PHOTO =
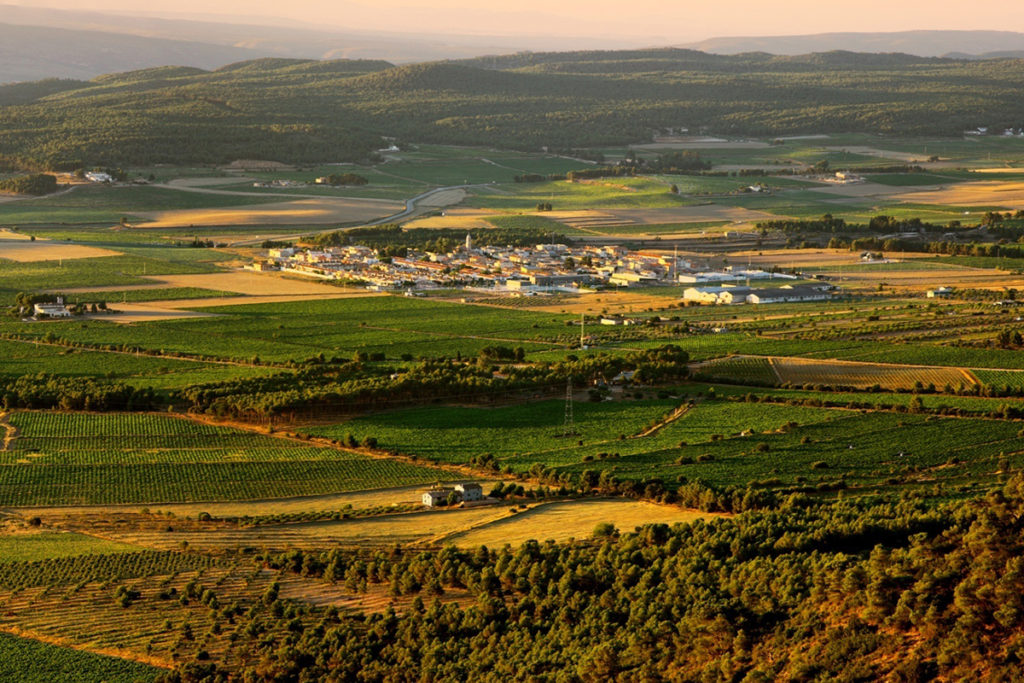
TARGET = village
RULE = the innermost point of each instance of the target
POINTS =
(542, 270)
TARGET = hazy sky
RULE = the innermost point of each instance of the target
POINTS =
(663, 21)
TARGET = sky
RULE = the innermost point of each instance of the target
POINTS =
(646, 21)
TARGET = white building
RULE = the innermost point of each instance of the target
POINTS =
(786, 295)
(470, 491)
(57, 310)
(437, 496)
(98, 177)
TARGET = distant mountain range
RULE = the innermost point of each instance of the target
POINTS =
(37, 43)
(313, 111)
(955, 44)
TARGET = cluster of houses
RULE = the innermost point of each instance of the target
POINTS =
(514, 271)
(467, 492)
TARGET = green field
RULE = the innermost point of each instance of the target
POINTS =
(101, 271)
(300, 330)
(22, 358)
(743, 370)
(623, 193)
(51, 545)
(722, 443)
(118, 565)
(29, 661)
(141, 295)
(101, 204)
(77, 458)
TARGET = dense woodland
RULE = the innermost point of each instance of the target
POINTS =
(852, 591)
(309, 111)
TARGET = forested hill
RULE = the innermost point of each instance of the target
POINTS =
(309, 111)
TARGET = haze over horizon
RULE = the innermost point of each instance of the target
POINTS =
(648, 23)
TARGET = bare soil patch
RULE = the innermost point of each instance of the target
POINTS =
(706, 213)
(798, 258)
(466, 219)
(303, 211)
(6, 234)
(441, 199)
(175, 309)
(250, 283)
(1009, 195)
(573, 519)
(366, 531)
(25, 251)
(612, 302)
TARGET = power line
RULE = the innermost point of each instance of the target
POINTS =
(569, 427)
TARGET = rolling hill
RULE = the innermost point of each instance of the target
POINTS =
(304, 111)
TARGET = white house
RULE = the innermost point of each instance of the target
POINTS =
(470, 491)
(99, 177)
(437, 496)
(939, 293)
(57, 310)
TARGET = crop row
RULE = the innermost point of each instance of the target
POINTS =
(72, 570)
(119, 425)
(84, 484)
(30, 661)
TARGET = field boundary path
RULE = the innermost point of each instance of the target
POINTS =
(164, 356)
(309, 440)
(10, 431)
(438, 539)
(664, 422)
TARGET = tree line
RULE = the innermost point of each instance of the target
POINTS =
(853, 590)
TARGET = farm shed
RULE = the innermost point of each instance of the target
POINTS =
(786, 295)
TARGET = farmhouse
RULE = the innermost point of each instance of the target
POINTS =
(470, 491)
(57, 310)
(939, 293)
(437, 496)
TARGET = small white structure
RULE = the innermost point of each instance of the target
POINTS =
(99, 177)
(939, 293)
